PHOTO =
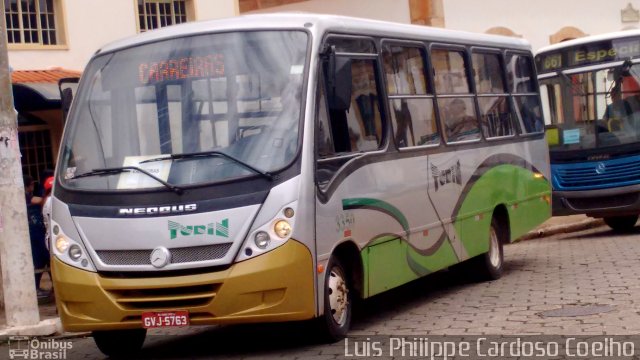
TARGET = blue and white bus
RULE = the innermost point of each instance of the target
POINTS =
(591, 93)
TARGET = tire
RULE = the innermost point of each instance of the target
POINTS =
(334, 324)
(489, 265)
(621, 223)
(120, 343)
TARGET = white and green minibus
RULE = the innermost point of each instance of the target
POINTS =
(277, 167)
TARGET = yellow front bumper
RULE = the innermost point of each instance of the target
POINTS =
(276, 286)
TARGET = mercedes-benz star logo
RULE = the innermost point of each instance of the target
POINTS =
(160, 257)
(600, 168)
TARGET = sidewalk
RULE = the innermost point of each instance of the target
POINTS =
(563, 224)
(50, 323)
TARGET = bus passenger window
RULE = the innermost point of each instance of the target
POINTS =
(456, 103)
(360, 127)
(496, 116)
(342, 132)
(460, 121)
(411, 101)
(520, 74)
(530, 114)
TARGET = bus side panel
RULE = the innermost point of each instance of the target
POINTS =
(378, 203)
(396, 262)
(504, 175)
(534, 206)
(517, 189)
(404, 234)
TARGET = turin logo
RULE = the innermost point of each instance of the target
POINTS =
(220, 229)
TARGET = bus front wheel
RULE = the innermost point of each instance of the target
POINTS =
(335, 322)
(120, 343)
(621, 223)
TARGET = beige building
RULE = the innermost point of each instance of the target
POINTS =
(65, 33)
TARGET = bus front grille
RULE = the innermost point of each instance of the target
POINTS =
(596, 175)
(165, 298)
(178, 255)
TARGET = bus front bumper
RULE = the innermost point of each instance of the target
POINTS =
(276, 286)
(598, 203)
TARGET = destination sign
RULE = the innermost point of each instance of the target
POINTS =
(181, 68)
(589, 54)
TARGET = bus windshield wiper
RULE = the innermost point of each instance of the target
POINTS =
(118, 170)
(210, 153)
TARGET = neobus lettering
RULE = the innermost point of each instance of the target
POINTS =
(158, 210)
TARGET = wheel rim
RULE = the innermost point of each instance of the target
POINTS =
(494, 249)
(338, 296)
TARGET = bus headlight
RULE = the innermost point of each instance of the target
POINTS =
(282, 229)
(62, 244)
(70, 251)
(75, 252)
(262, 239)
(274, 231)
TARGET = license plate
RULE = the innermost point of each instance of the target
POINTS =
(165, 319)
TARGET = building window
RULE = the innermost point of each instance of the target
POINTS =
(154, 14)
(36, 150)
(31, 22)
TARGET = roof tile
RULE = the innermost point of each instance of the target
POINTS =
(42, 76)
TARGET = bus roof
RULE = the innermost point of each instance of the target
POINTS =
(319, 24)
(589, 39)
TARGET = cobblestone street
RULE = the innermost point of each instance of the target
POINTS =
(583, 283)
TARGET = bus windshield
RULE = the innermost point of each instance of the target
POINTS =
(234, 97)
(593, 109)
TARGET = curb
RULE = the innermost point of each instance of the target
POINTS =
(71, 335)
(49, 328)
(563, 228)
(46, 327)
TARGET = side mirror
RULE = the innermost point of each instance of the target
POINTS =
(67, 87)
(339, 82)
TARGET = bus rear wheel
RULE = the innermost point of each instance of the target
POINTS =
(621, 223)
(488, 266)
(120, 343)
(335, 323)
